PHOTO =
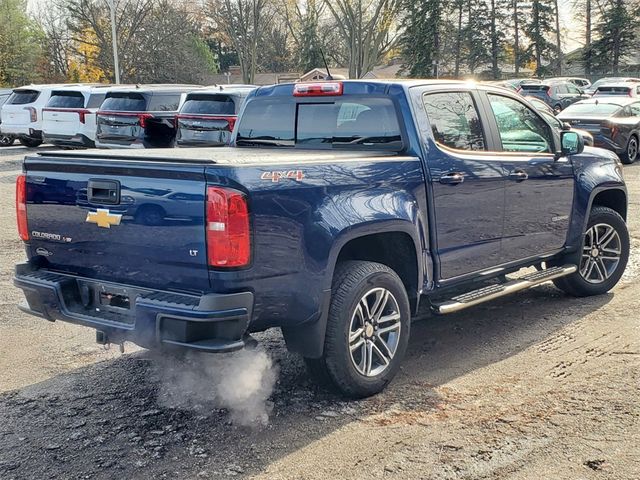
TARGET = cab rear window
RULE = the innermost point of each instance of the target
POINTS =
(66, 100)
(209, 105)
(124, 102)
(23, 97)
(346, 123)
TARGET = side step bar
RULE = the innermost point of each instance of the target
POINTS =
(491, 292)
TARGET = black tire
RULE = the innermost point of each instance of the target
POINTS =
(31, 142)
(576, 284)
(353, 283)
(631, 153)
(7, 140)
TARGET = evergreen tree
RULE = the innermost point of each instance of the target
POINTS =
(420, 43)
(478, 34)
(538, 29)
(616, 32)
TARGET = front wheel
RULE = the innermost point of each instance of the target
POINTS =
(603, 257)
(631, 153)
(367, 329)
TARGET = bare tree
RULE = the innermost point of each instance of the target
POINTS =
(57, 43)
(242, 23)
(367, 29)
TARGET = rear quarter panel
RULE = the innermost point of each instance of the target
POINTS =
(299, 227)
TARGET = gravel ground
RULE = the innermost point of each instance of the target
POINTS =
(537, 385)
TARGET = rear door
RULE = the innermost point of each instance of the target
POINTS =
(134, 222)
(207, 118)
(121, 118)
(16, 110)
(62, 114)
(468, 184)
(539, 189)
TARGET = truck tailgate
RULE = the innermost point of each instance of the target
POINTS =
(132, 222)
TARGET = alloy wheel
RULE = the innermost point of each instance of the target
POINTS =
(374, 332)
(632, 149)
(601, 253)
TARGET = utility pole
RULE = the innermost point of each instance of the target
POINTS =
(116, 66)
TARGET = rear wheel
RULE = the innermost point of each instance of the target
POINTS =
(6, 140)
(31, 142)
(603, 258)
(367, 330)
(631, 153)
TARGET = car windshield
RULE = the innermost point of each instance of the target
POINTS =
(591, 109)
(209, 105)
(528, 87)
(124, 102)
(66, 100)
(347, 123)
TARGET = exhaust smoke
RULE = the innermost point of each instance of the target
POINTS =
(241, 382)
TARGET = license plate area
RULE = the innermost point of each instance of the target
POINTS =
(103, 300)
(114, 300)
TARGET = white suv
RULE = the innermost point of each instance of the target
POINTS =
(22, 113)
(69, 119)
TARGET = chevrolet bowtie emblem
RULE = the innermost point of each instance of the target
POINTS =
(103, 218)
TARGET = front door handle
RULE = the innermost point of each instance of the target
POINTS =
(453, 178)
(518, 176)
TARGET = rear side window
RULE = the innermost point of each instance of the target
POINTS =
(95, 100)
(22, 97)
(66, 100)
(454, 120)
(124, 102)
(164, 103)
(210, 105)
(346, 123)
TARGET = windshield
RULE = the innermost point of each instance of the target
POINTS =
(353, 122)
(124, 102)
(591, 109)
(534, 87)
(618, 90)
(209, 105)
(66, 100)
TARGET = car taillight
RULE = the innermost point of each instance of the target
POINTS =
(319, 89)
(21, 206)
(549, 91)
(33, 114)
(143, 117)
(228, 235)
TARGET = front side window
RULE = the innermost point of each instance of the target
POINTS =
(454, 120)
(164, 102)
(520, 128)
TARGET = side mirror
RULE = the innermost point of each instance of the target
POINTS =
(571, 143)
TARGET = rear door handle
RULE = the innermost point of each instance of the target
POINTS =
(453, 178)
(519, 175)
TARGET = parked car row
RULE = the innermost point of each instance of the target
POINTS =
(123, 116)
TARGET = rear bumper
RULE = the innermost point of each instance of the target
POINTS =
(68, 140)
(214, 323)
(114, 145)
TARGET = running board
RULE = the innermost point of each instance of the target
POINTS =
(491, 292)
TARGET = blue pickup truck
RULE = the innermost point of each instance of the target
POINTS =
(340, 208)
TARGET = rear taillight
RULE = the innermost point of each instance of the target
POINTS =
(143, 117)
(549, 91)
(228, 236)
(33, 114)
(21, 206)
